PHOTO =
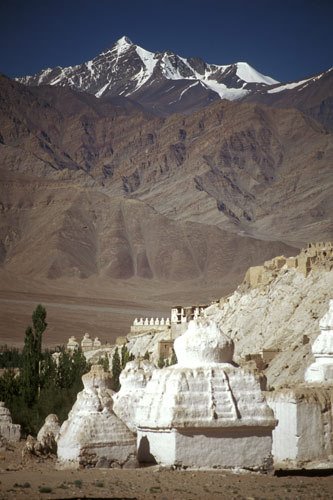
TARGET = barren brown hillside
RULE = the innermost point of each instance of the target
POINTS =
(107, 211)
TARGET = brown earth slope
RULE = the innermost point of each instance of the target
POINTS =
(100, 200)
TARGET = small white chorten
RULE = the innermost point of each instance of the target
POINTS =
(92, 431)
(321, 371)
(72, 344)
(11, 432)
(97, 343)
(86, 342)
(204, 411)
(133, 380)
(51, 427)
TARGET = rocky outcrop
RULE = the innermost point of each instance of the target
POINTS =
(281, 316)
(204, 402)
(9, 431)
(93, 435)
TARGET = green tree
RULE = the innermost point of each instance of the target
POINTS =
(173, 360)
(116, 369)
(39, 326)
(43, 386)
(10, 357)
(48, 370)
(80, 367)
(32, 356)
(9, 387)
(126, 356)
(161, 362)
(104, 361)
(70, 369)
(64, 372)
(147, 355)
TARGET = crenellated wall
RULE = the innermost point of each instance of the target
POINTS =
(145, 325)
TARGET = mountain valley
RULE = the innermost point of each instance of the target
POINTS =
(121, 198)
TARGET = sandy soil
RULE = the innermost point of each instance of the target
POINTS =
(105, 310)
(37, 479)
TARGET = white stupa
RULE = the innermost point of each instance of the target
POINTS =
(72, 344)
(303, 437)
(11, 432)
(93, 432)
(204, 411)
(321, 371)
(133, 380)
(51, 428)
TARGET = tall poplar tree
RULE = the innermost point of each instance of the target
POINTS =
(32, 355)
(126, 356)
(116, 369)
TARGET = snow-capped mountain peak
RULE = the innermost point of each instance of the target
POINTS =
(129, 70)
(122, 45)
(250, 75)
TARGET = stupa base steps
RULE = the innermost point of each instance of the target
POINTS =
(211, 448)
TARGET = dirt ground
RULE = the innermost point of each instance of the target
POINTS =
(40, 479)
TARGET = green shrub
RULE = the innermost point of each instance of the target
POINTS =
(45, 489)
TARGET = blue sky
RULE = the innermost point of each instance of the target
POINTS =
(286, 39)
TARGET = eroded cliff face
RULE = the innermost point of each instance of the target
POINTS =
(242, 167)
(281, 316)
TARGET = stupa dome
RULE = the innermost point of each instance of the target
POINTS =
(203, 343)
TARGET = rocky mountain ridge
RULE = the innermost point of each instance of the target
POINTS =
(165, 83)
(229, 161)
(159, 81)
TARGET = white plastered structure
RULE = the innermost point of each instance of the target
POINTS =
(11, 432)
(204, 411)
(303, 437)
(321, 371)
(92, 430)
